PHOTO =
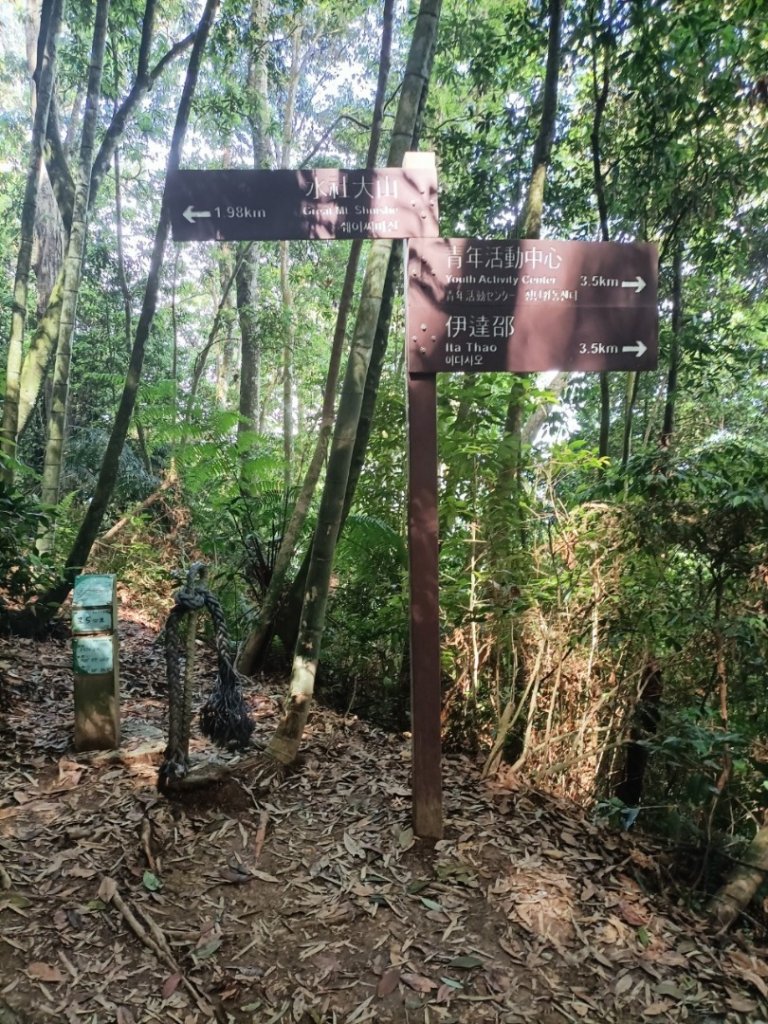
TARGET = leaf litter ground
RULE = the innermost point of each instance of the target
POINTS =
(310, 900)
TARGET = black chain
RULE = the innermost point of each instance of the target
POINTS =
(224, 717)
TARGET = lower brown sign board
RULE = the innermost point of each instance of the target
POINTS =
(235, 205)
(528, 305)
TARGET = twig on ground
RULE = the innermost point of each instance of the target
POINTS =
(260, 836)
(148, 932)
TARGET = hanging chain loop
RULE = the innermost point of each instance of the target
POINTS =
(224, 717)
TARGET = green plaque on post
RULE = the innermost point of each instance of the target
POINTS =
(93, 655)
(94, 604)
(92, 620)
(94, 591)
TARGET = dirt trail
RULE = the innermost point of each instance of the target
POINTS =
(313, 902)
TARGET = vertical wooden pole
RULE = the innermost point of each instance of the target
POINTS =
(424, 606)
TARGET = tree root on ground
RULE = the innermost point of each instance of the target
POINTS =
(256, 773)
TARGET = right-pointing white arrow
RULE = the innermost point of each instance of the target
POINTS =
(638, 284)
(638, 348)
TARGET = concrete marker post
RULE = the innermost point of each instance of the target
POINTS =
(95, 663)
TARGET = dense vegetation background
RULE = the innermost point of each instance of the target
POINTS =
(603, 537)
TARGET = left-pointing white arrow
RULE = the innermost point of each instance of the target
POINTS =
(193, 215)
(638, 284)
(638, 348)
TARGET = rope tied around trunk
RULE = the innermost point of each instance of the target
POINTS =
(224, 717)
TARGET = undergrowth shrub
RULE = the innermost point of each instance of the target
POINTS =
(22, 570)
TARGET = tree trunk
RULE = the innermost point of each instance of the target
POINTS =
(249, 402)
(46, 76)
(285, 743)
(258, 85)
(289, 339)
(674, 351)
(529, 226)
(287, 622)
(73, 268)
(286, 293)
(201, 358)
(39, 356)
(50, 238)
(645, 722)
(226, 340)
(108, 473)
(256, 644)
(250, 348)
(632, 384)
(741, 885)
(42, 348)
(122, 277)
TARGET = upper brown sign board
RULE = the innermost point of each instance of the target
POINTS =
(475, 305)
(389, 202)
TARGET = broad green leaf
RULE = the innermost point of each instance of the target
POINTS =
(151, 881)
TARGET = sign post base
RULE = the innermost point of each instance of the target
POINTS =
(97, 712)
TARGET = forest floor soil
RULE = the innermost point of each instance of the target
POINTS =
(312, 901)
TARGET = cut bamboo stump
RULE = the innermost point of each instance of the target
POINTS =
(734, 896)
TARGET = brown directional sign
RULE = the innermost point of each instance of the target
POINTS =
(475, 305)
(390, 202)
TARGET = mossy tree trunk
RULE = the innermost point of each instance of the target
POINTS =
(49, 31)
(73, 269)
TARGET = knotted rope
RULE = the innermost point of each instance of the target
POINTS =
(224, 717)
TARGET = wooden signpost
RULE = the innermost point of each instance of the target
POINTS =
(95, 662)
(472, 305)
(477, 305)
(323, 203)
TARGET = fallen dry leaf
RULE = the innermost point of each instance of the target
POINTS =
(632, 914)
(107, 889)
(171, 984)
(624, 984)
(657, 1008)
(740, 1003)
(45, 972)
(418, 982)
(757, 981)
(388, 982)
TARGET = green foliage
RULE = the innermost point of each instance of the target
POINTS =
(233, 483)
(711, 502)
(22, 570)
(687, 759)
(85, 452)
(370, 607)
